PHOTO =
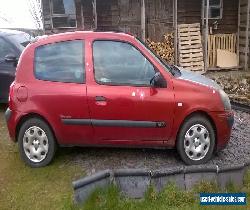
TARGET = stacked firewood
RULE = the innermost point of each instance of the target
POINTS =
(164, 49)
(237, 88)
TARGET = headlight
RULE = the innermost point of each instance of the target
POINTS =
(225, 100)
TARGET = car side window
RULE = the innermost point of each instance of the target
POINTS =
(120, 63)
(5, 49)
(61, 62)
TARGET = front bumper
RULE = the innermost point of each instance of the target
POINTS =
(224, 122)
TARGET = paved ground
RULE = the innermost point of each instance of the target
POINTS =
(96, 159)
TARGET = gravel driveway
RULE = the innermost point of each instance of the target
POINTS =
(96, 159)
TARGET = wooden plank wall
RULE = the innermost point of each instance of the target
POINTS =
(244, 34)
(86, 14)
(46, 16)
(130, 16)
(159, 18)
(190, 12)
(125, 15)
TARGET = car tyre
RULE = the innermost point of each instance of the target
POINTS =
(196, 140)
(37, 145)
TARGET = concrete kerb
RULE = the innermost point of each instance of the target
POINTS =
(133, 183)
(198, 173)
(159, 179)
(231, 174)
(84, 187)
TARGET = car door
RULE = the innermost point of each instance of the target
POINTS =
(60, 89)
(7, 69)
(124, 108)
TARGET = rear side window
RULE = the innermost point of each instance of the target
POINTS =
(61, 62)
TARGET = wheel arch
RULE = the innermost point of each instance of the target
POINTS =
(201, 113)
(30, 116)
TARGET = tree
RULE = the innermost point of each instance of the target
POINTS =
(5, 18)
(35, 9)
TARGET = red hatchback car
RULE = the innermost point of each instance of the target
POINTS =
(110, 89)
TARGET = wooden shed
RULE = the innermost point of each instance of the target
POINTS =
(223, 24)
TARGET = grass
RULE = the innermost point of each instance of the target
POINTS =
(24, 188)
(171, 198)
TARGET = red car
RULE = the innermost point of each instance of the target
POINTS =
(110, 89)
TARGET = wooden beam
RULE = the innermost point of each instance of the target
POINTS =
(206, 39)
(203, 26)
(238, 34)
(175, 26)
(143, 21)
(94, 13)
(42, 17)
(82, 18)
(247, 38)
(202, 14)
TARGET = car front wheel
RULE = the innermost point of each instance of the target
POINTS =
(196, 140)
(36, 143)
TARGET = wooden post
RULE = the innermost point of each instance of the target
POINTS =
(247, 37)
(203, 27)
(175, 25)
(202, 14)
(238, 35)
(206, 38)
(143, 21)
(95, 13)
(82, 16)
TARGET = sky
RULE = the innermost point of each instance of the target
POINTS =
(17, 13)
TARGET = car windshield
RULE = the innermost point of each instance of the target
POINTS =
(166, 66)
(22, 39)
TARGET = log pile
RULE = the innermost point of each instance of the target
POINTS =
(164, 49)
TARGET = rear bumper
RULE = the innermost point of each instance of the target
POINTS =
(224, 122)
(8, 115)
(11, 118)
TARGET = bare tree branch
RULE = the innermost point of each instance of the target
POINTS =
(35, 9)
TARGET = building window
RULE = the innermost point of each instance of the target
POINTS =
(63, 14)
(215, 9)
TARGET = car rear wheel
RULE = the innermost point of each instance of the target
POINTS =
(36, 143)
(196, 140)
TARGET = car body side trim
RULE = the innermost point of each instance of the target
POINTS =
(114, 123)
(76, 121)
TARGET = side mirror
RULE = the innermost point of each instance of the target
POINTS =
(158, 81)
(10, 58)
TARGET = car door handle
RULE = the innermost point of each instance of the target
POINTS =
(100, 101)
(100, 98)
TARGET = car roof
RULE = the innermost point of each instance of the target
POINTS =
(78, 34)
(8, 32)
